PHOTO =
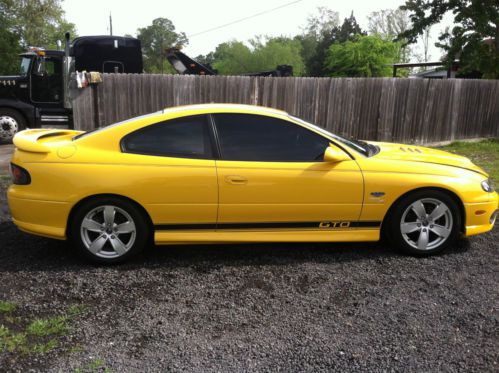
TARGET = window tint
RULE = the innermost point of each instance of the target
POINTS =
(185, 137)
(249, 137)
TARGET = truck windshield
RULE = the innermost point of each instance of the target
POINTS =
(25, 62)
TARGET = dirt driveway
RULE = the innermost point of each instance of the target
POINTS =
(269, 307)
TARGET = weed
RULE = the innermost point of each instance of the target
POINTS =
(45, 327)
(38, 336)
(7, 307)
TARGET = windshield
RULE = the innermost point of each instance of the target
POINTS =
(25, 62)
(357, 145)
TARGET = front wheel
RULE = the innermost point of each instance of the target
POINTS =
(425, 223)
(108, 230)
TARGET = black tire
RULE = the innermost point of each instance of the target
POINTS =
(11, 122)
(117, 245)
(438, 234)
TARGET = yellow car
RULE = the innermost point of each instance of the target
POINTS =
(236, 173)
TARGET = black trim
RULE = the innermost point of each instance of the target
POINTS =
(324, 225)
(215, 143)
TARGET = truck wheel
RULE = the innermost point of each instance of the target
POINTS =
(11, 122)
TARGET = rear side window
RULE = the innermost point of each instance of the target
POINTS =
(248, 137)
(185, 137)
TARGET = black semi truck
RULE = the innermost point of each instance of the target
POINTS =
(39, 95)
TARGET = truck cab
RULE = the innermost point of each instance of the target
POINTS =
(38, 96)
(34, 97)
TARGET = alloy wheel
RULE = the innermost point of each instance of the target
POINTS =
(108, 231)
(426, 224)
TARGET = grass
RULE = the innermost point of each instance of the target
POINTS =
(97, 365)
(27, 336)
(483, 153)
(7, 307)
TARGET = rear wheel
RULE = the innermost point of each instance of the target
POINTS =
(109, 230)
(11, 122)
(425, 223)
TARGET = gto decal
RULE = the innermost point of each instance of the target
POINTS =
(334, 224)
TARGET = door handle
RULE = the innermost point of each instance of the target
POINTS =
(236, 180)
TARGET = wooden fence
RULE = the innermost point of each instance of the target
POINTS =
(405, 110)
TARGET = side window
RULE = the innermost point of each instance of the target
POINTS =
(246, 137)
(185, 137)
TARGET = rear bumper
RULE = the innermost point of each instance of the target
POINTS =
(43, 218)
(480, 217)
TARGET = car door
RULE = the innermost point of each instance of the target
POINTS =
(271, 174)
(174, 176)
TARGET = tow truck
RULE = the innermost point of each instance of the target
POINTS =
(185, 65)
(39, 95)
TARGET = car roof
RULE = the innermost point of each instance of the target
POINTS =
(219, 107)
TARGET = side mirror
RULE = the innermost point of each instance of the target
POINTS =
(335, 155)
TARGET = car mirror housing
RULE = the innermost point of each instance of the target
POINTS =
(335, 155)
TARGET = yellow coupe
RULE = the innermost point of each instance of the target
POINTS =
(236, 173)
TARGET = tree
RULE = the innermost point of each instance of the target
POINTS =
(317, 27)
(271, 52)
(474, 38)
(9, 45)
(349, 30)
(389, 23)
(365, 56)
(155, 39)
(233, 58)
(36, 22)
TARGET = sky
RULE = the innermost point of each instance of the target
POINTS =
(195, 16)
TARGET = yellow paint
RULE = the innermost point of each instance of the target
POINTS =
(179, 190)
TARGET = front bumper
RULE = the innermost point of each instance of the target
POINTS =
(481, 217)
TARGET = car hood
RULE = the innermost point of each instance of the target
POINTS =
(416, 153)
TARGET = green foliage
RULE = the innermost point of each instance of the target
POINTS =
(348, 31)
(9, 46)
(317, 28)
(37, 22)
(155, 39)
(365, 56)
(7, 307)
(474, 38)
(45, 327)
(97, 365)
(235, 57)
(39, 336)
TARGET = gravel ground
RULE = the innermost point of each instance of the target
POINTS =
(285, 307)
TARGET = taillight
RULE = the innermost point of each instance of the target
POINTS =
(19, 175)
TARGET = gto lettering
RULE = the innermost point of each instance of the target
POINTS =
(334, 224)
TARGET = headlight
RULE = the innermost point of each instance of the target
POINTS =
(487, 186)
